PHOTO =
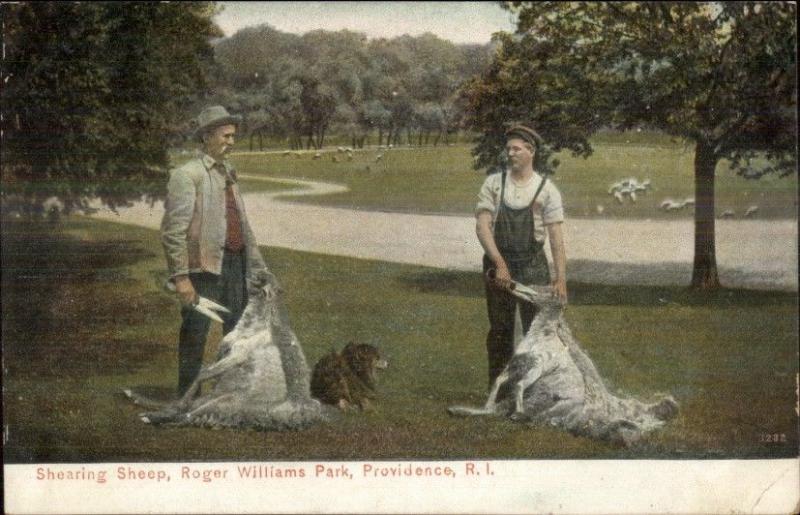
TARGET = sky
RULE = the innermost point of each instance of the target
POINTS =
(459, 22)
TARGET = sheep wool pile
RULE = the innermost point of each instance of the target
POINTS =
(261, 378)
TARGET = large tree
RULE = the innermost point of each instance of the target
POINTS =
(94, 94)
(721, 75)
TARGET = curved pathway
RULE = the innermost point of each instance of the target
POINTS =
(750, 253)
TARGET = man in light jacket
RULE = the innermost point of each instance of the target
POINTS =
(209, 245)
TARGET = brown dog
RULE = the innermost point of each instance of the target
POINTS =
(348, 378)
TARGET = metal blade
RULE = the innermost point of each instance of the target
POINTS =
(210, 304)
(207, 312)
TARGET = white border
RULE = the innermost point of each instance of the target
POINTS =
(558, 486)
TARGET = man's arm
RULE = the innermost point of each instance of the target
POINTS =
(179, 209)
(483, 229)
(559, 283)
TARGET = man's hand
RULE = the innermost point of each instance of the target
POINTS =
(185, 290)
(483, 228)
(502, 277)
(560, 290)
(559, 284)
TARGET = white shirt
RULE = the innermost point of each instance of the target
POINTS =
(548, 208)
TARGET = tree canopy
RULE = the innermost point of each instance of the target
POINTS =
(305, 86)
(94, 93)
(721, 75)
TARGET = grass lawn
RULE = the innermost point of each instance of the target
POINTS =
(84, 316)
(265, 184)
(441, 179)
(262, 184)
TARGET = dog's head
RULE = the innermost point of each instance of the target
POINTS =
(364, 360)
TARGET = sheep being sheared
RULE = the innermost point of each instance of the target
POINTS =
(550, 380)
(261, 379)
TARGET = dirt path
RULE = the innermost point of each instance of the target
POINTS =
(750, 253)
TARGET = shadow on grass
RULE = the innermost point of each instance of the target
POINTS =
(470, 285)
(60, 311)
(65, 400)
(444, 282)
(586, 294)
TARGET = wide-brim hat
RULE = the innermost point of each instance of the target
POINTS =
(213, 117)
(525, 133)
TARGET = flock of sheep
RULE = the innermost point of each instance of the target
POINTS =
(624, 191)
(342, 154)
(628, 190)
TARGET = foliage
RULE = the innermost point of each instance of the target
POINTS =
(348, 84)
(528, 84)
(94, 94)
(720, 75)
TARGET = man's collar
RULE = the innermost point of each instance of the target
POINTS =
(211, 164)
(509, 172)
(207, 160)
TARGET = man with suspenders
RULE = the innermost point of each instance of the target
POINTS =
(514, 209)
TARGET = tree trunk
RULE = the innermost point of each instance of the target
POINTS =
(260, 141)
(320, 137)
(704, 272)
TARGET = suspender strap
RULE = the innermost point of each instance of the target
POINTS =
(502, 193)
(538, 190)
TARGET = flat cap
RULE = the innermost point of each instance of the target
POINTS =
(526, 134)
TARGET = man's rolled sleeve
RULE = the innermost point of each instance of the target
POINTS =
(487, 196)
(178, 212)
(553, 209)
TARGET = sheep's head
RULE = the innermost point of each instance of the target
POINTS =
(542, 296)
(263, 295)
(263, 283)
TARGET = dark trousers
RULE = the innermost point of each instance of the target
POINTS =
(501, 307)
(228, 289)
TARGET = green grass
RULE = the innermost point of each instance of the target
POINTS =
(84, 316)
(247, 185)
(406, 179)
(265, 186)
(441, 179)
